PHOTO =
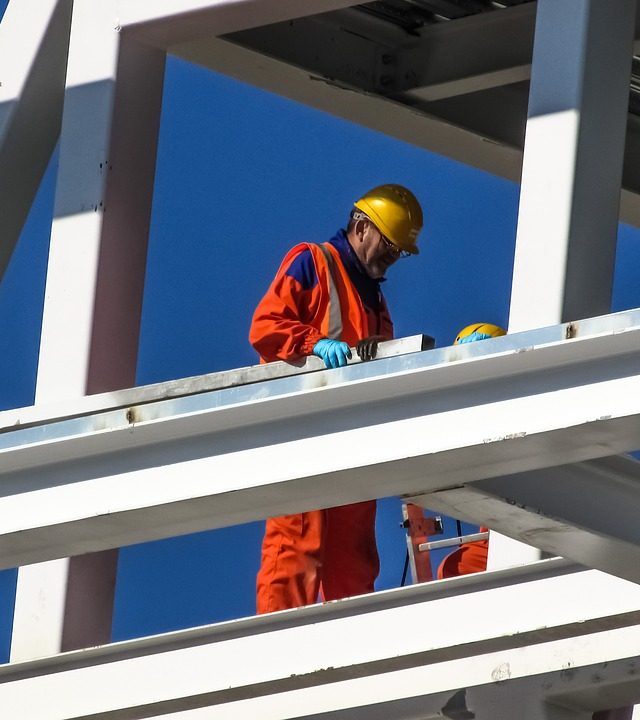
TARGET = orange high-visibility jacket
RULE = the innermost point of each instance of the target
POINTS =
(297, 310)
(333, 550)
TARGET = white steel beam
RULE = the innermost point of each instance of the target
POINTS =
(406, 425)
(183, 387)
(432, 650)
(93, 293)
(107, 160)
(33, 62)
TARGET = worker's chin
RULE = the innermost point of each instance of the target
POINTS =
(376, 271)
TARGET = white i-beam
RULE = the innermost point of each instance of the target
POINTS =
(149, 464)
(551, 641)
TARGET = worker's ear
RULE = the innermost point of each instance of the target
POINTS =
(361, 226)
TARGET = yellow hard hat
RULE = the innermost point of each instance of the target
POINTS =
(395, 211)
(484, 328)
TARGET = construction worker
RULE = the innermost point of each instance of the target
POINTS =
(324, 299)
(470, 557)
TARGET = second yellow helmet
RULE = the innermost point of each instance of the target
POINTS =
(482, 328)
(396, 212)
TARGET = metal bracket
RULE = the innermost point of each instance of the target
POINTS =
(418, 529)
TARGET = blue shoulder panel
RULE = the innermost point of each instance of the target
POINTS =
(303, 270)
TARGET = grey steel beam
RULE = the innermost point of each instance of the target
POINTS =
(471, 54)
(33, 62)
(484, 130)
(179, 21)
(370, 110)
(474, 53)
(358, 59)
(448, 59)
(436, 76)
(499, 113)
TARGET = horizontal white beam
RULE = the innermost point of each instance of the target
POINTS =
(47, 413)
(166, 22)
(405, 425)
(363, 657)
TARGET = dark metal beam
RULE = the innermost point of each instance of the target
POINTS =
(470, 54)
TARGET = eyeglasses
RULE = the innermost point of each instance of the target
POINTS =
(394, 249)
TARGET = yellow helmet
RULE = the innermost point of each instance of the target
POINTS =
(395, 211)
(484, 328)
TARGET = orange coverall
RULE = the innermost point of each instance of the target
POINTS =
(331, 551)
(468, 558)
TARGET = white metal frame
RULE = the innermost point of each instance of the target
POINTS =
(463, 432)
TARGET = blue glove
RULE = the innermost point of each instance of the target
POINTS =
(333, 352)
(473, 337)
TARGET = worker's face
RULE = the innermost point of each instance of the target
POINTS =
(375, 251)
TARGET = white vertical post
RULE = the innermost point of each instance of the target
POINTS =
(93, 295)
(572, 167)
(571, 175)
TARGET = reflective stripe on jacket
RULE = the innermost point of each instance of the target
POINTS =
(295, 313)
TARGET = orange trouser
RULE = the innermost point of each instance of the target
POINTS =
(468, 558)
(332, 551)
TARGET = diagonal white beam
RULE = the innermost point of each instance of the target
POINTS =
(407, 425)
(33, 63)
(587, 511)
(360, 658)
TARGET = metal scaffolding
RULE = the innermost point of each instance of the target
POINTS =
(524, 433)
